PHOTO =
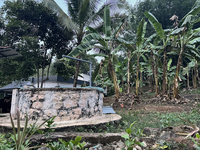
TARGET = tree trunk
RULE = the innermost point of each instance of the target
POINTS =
(79, 39)
(41, 86)
(164, 72)
(47, 78)
(128, 73)
(188, 80)
(137, 79)
(156, 78)
(114, 78)
(77, 71)
(198, 76)
(141, 80)
(193, 78)
(155, 72)
(38, 77)
(175, 88)
(195, 75)
(100, 71)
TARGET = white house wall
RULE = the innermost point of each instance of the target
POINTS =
(55, 84)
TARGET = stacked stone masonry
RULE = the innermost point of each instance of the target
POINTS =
(65, 103)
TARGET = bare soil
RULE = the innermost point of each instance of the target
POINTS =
(127, 102)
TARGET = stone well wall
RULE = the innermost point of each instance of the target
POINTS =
(65, 103)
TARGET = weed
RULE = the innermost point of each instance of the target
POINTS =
(70, 145)
(130, 142)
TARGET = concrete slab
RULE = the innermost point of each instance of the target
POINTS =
(5, 121)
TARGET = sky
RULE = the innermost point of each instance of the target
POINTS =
(63, 5)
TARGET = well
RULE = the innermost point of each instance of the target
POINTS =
(65, 103)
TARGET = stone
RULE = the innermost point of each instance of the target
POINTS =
(41, 97)
(63, 113)
(34, 114)
(77, 111)
(50, 112)
(65, 103)
(74, 96)
(82, 103)
(138, 147)
(58, 105)
(70, 103)
(37, 105)
(74, 117)
(121, 144)
(151, 131)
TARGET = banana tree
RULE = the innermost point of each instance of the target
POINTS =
(153, 44)
(165, 40)
(186, 71)
(135, 47)
(105, 44)
(81, 13)
(187, 35)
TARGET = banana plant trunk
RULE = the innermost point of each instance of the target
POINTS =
(188, 80)
(128, 74)
(195, 75)
(156, 78)
(114, 78)
(100, 71)
(137, 79)
(198, 76)
(164, 72)
(141, 81)
(155, 72)
(175, 87)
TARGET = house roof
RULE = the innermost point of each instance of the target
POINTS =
(55, 78)
(7, 52)
(14, 85)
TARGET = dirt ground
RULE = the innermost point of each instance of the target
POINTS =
(148, 102)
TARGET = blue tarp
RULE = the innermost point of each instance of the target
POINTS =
(108, 110)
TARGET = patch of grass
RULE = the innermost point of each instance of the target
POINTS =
(192, 91)
(154, 120)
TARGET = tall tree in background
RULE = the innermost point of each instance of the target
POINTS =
(33, 19)
(163, 11)
(81, 13)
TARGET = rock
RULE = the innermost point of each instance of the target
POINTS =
(144, 144)
(43, 148)
(120, 144)
(96, 147)
(138, 147)
(166, 135)
(150, 131)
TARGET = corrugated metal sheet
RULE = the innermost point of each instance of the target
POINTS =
(108, 110)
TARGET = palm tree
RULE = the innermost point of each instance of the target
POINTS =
(81, 13)
(106, 45)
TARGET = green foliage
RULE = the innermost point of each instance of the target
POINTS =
(129, 141)
(21, 138)
(27, 24)
(6, 143)
(197, 144)
(63, 68)
(48, 127)
(69, 145)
